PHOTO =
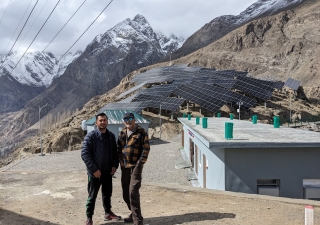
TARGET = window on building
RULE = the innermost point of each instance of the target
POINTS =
(311, 189)
(268, 187)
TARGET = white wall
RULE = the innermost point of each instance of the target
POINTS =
(215, 172)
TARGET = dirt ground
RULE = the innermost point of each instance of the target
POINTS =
(57, 196)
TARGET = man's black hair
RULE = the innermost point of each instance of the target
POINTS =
(101, 114)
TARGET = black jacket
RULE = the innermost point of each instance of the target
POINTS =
(98, 153)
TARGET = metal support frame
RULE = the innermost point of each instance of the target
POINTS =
(239, 103)
(40, 131)
(160, 122)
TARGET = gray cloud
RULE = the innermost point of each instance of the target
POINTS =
(179, 17)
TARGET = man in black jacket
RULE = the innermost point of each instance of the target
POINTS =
(99, 153)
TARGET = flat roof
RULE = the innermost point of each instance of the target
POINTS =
(248, 135)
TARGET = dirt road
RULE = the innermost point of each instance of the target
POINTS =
(55, 194)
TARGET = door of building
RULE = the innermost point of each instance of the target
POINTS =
(204, 163)
(191, 152)
(182, 138)
(196, 158)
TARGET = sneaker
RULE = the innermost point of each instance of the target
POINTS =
(111, 216)
(128, 219)
(89, 222)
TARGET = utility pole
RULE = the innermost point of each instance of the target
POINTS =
(160, 123)
(40, 128)
(239, 103)
(290, 107)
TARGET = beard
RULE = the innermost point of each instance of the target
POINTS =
(129, 125)
(102, 127)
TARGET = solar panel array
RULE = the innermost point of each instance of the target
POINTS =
(198, 97)
(253, 90)
(134, 106)
(221, 94)
(129, 99)
(160, 90)
(225, 83)
(171, 104)
(131, 90)
(292, 83)
(263, 84)
(209, 88)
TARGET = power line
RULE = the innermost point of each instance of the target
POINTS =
(59, 30)
(35, 36)
(86, 30)
(20, 32)
(5, 11)
(33, 23)
(16, 28)
(64, 25)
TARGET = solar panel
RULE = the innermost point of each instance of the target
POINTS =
(225, 83)
(129, 99)
(134, 106)
(222, 94)
(252, 90)
(202, 99)
(160, 90)
(131, 90)
(279, 85)
(292, 83)
(263, 84)
(166, 103)
(229, 73)
(172, 104)
(207, 87)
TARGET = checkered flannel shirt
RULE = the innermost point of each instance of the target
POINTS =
(134, 149)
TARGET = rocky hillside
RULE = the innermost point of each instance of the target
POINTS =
(222, 25)
(130, 45)
(282, 46)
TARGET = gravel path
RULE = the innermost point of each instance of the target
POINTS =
(159, 168)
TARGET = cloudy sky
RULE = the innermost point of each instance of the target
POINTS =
(179, 17)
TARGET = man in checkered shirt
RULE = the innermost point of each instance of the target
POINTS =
(133, 150)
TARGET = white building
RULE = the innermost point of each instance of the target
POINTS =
(259, 159)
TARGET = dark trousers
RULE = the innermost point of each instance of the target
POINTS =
(106, 191)
(131, 183)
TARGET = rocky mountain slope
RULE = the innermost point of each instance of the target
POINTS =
(282, 46)
(33, 74)
(222, 25)
(128, 46)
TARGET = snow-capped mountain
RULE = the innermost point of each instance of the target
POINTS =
(222, 25)
(39, 69)
(36, 68)
(265, 7)
(169, 44)
(131, 32)
(73, 81)
(262, 8)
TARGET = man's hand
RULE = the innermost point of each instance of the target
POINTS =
(113, 170)
(97, 174)
(121, 164)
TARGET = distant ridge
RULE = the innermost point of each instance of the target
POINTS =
(220, 26)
